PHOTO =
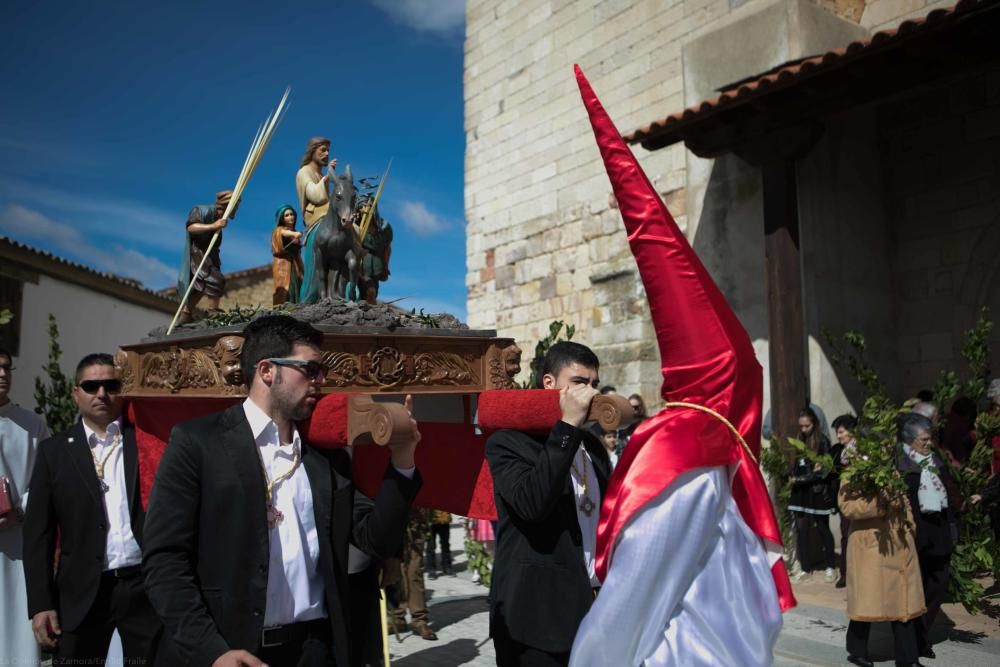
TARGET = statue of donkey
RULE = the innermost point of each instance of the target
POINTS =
(335, 249)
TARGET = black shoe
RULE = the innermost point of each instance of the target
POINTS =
(860, 662)
(909, 664)
(928, 652)
(841, 583)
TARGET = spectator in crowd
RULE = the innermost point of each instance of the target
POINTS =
(958, 435)
(623, 435)
(993, 393)
(883, 581)
(440, 531)
(926, 409)
(410, 594)
(20, 432)
(843, 428)
(766, 430)
(610, 441)
(928, 481)
(925, 395)
(812, 502)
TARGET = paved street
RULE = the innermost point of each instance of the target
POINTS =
(813, 634)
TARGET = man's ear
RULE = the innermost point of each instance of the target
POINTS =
(548, 381)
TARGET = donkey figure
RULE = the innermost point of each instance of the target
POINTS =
(334, 246)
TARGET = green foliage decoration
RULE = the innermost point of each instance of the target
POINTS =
(479, 561)
(874, 473)
(235, 315)
(54, 398)
(553, 337)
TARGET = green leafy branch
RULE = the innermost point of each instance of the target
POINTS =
(542, 347)
(55, 398)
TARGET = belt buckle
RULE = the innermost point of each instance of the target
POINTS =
(264, 643)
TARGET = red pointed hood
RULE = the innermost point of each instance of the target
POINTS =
(706, 359)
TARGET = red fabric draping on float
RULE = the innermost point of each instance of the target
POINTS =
(450, 456)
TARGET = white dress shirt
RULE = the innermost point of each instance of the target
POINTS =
(121, 549)
(583, 465)
(294, 585)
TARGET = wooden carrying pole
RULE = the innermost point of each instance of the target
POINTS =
(260, 142)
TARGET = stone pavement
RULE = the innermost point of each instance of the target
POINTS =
(813, 632)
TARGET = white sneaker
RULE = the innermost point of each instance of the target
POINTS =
(801, 576)
(830, 575)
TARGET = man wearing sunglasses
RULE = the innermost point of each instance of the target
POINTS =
(246, 556)
(85, 495)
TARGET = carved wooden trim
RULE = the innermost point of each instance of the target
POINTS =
(381, 423)
(611, 411)
(209, 365)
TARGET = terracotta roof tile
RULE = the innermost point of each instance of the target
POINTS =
(790, 73)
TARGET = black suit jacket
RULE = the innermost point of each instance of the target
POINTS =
(207, 548)
(65, 500)
(540, 584)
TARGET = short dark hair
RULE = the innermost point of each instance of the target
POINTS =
(608, 389)
(5, 353)
(926, 395)
(564, 353)
(273, 336)
(848, 422)
(93, 359)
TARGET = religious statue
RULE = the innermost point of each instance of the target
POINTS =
(338, 257)
(202, 224)
(311, 183)
(376, 248)
(286, 246)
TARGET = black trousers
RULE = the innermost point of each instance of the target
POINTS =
(312, 651)
(442, 532)
(904, 639)
(934, 573)
(814, 541)
(845, 528)
(120, 604)
(515, 654)
(366, 618)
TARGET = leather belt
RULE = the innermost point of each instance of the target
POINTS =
(293, 632)
(128, 572)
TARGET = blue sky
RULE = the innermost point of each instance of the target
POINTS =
(118, 117)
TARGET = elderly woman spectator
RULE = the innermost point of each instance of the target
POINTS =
(843, 428)
(928, 483)
(883, 582)
(813, 501)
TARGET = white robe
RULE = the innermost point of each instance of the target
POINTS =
(20, 432)
(689, 585)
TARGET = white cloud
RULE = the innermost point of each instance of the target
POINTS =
(442, 16)
(34, 228)
(131, 221)
(421, 221)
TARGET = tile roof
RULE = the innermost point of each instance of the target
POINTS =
(794, 72)
(123, 287)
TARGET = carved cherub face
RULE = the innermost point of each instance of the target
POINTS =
(512, 360)
(227, 351)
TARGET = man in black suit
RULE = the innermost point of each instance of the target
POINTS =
(85, 492)
(548, 496)
(247, 535)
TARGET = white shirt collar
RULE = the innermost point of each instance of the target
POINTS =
(260, 422)
(113, 429)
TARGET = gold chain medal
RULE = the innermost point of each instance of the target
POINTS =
(273, 514)
(99, 464)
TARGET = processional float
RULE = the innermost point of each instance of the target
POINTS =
(462, 381)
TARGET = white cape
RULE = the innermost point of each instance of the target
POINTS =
(689, 585)
(20, 432)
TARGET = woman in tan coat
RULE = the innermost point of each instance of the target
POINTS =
(883, 577)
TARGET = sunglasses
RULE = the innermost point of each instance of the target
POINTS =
(93, 386)
(312, 369)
